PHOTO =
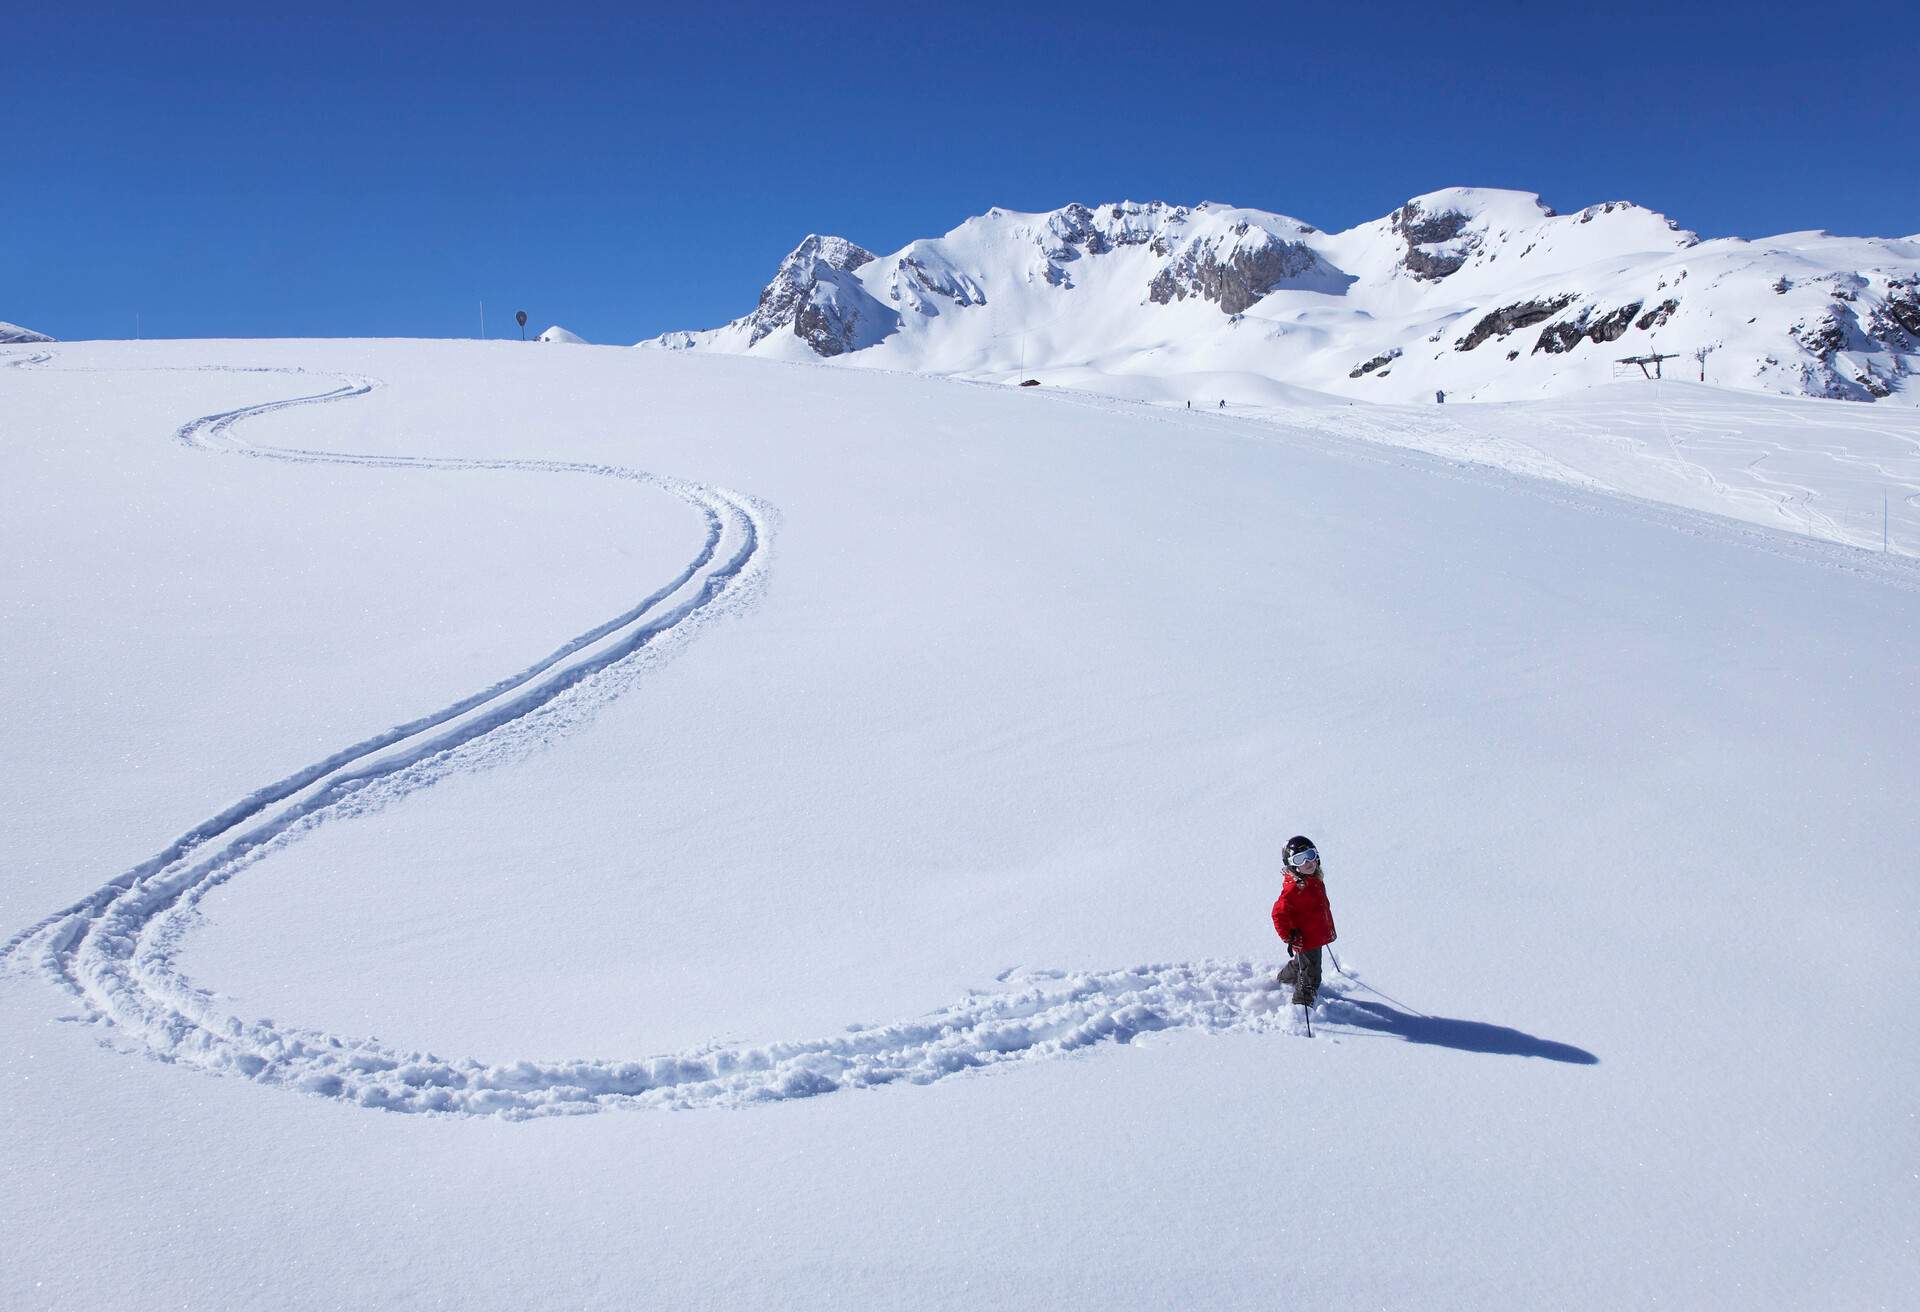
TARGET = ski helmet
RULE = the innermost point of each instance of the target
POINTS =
(1298, 843)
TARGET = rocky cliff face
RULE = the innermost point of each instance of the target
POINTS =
(1591, 324)
(793, 299)
(1510, 318)
(1438, 242)
(816, 300)
(1075, 232)
(1233, 270)
(1845, 362)
(838, 315)
(1895, 323)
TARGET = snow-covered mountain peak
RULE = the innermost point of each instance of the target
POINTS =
(559, 334)
(14, 334)
(1044, 245)
(1500, 204)
(834, 252)
(1078, 229)
(1481, 292)
(813, 307)
(1445, 232)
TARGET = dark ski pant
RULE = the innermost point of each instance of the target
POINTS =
(1303, 972)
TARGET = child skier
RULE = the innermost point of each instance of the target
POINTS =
(1302, 917)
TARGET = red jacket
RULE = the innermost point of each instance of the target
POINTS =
(1302, 907)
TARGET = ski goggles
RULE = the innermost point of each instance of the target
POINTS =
(1301, 860)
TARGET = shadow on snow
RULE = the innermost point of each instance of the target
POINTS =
(1465, 1035)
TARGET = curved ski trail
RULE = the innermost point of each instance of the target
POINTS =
(114, 950)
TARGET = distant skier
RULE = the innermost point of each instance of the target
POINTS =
(1303, 919)
(1439, 397)
(1223, 403)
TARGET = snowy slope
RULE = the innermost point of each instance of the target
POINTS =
(923, 854)
(13, 334)
(1486, 294)
(1829, 470)
(559, 334)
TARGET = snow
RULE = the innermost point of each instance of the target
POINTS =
(891, 923)
(1084, 291)
(559, 334)
(12, 334)
(1832, 472)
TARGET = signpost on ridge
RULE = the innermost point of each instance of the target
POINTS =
(521, 317)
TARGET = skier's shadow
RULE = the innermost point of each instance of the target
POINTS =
(1466, 1035)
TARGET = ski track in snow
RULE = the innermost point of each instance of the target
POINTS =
(114, 950)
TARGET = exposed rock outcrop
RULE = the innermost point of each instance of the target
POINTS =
(1385, 357)
(816, 297)
(1510, 318)
(1592, 212)
(794, 283)
(1076, 229)
(1435, 244)
(1658, 315)
(1611, 327)
(14, 334)
(838, 315)
(1233, 272)
(922, 279)
(1896, 322)
(1822, 335)
(1559, 338)
(1837, 343)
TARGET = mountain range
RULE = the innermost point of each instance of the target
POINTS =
(1480, 294)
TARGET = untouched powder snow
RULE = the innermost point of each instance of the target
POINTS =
(1482, 293)
(856, 797)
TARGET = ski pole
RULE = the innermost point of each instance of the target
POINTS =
(1371, 989)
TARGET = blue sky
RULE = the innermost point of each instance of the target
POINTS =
(628, 169)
